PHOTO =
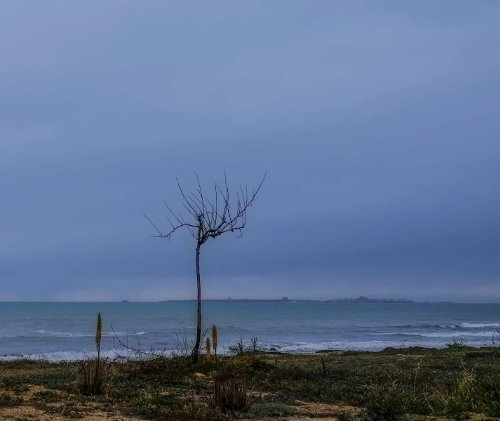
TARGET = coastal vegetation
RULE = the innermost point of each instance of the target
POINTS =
(92, 371)
(457, 382)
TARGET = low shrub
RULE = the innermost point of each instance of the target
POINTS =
(91, 376)
(230, 393)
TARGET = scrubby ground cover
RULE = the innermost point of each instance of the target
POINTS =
(414, 383)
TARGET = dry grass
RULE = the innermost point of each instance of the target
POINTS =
(230, 393)
(396, 384)
(91, 376)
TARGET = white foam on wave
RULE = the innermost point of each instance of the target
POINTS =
(308, 347)
(434, 341)
(445, 335)
(41, 333)
(59, 356)
(478, 325)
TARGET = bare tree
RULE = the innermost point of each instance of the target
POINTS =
(205, 218)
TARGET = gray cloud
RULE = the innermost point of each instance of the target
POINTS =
(378, 125)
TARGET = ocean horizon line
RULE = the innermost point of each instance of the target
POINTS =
(283, 299)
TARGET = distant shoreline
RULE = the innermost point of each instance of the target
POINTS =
(255, 300)
(264, 300)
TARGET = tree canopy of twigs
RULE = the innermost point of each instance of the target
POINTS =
(208, 216)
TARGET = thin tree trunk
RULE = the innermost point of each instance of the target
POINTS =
(196, 349)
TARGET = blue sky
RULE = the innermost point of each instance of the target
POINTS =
(378, 124)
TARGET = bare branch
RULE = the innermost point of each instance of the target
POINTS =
(160, 234)
(211, 218)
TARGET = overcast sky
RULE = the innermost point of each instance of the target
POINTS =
(378, 124)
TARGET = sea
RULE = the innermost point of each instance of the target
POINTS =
(66, 331)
